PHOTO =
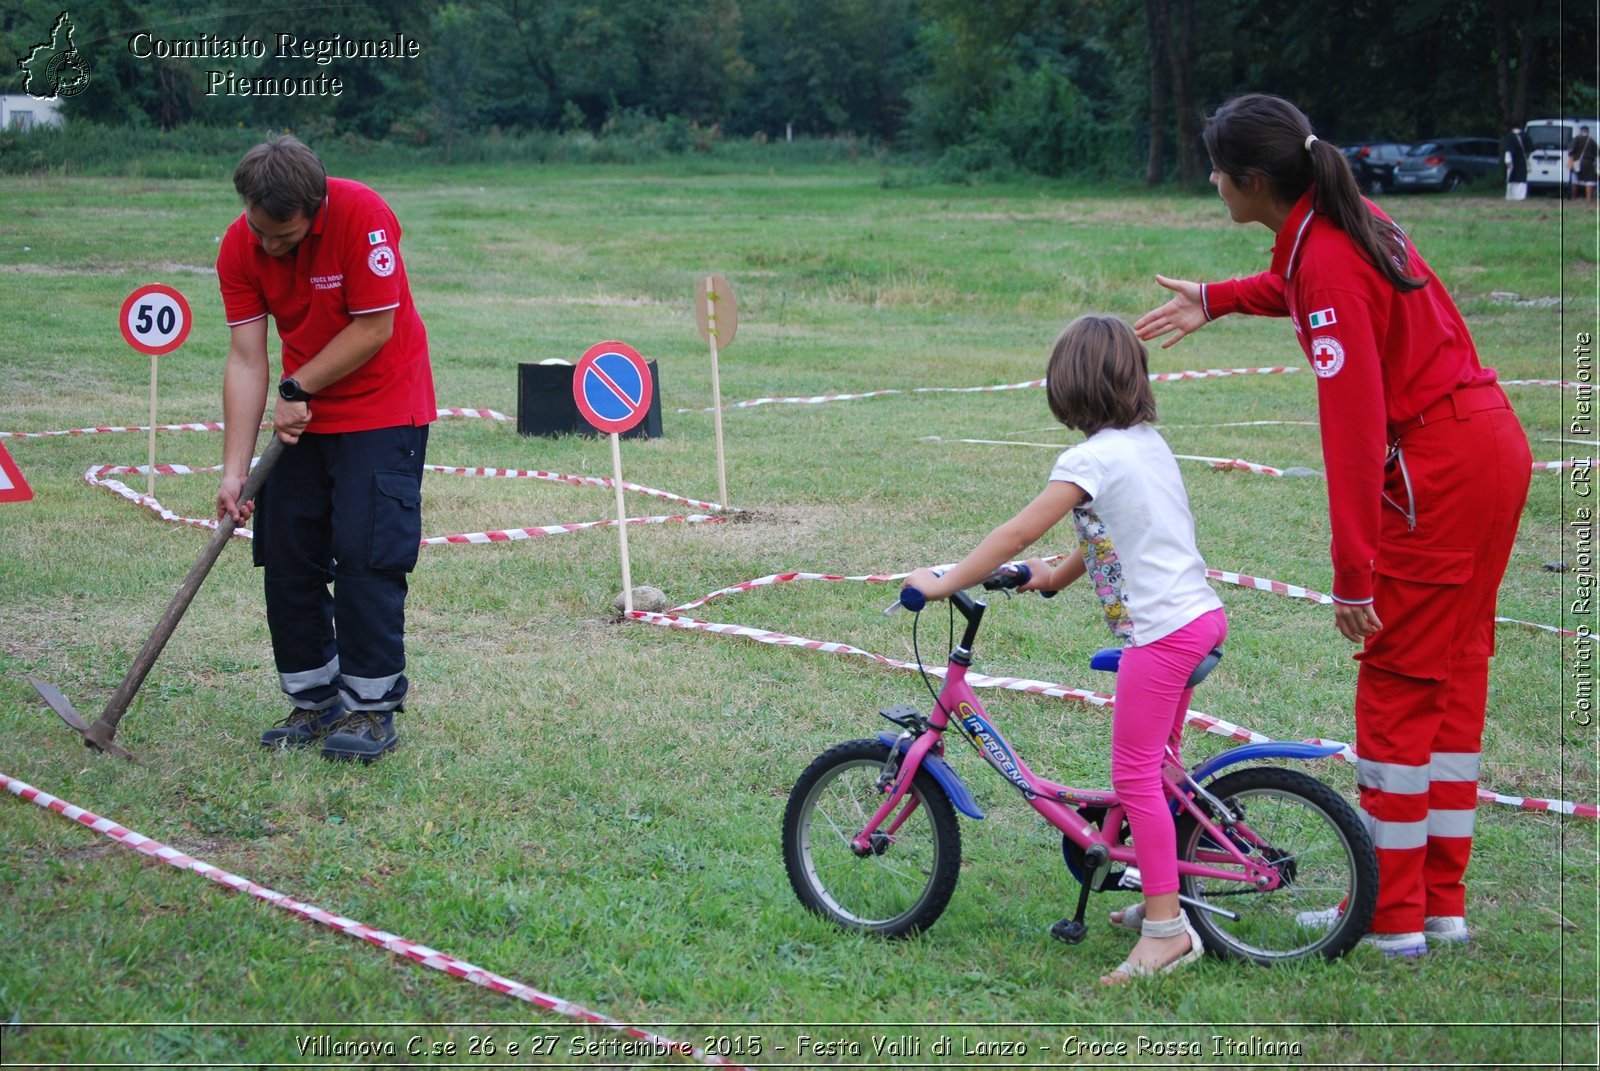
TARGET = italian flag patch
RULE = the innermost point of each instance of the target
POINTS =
(1322, 318)
(377, 238)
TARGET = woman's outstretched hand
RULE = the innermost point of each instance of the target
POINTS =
(1183, 314)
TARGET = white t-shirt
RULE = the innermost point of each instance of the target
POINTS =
(1137, 533)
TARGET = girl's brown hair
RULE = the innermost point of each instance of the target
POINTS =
(1258, 136)
(283, 178)
(1099, 376)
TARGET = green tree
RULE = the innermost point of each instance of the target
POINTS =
(826, 68)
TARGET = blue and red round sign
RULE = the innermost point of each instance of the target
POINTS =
(612, 386)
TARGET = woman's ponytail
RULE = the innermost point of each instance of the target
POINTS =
(1381, 242)
(1262, 135)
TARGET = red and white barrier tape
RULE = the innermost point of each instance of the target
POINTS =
(485, 414)
(1235, 463)
(783, 578)
(1276, 587)
(512, 535)
(1214, 462)
(96, 477)
(389, 942)
(818, 399)
(1294, 592)
(579, 481)
(105, 430)
(150, 502)
(675, 618)
(1238, 579)
(1212, 373)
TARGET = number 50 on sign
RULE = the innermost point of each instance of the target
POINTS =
(155, 319)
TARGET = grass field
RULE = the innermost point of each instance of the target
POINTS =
(593, 807)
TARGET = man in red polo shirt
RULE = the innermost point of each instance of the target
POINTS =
(338, 522)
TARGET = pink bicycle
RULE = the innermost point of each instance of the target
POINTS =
(1266, 855)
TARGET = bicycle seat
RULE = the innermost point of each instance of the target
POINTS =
(1109, 658)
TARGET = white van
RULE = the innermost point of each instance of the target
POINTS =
(1547, 143)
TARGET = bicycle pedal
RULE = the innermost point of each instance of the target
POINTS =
(1069, 931)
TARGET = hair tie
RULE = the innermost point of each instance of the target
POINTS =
(1309, 139)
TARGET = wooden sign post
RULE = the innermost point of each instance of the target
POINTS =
(718, 318)
(155, 320)
(612, 387)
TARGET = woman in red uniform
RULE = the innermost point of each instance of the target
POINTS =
(1427, 467)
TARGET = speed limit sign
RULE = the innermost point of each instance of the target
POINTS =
(155, 319)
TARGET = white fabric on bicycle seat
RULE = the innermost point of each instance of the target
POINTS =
(1137, 533)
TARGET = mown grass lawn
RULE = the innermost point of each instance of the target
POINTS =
(591, 806)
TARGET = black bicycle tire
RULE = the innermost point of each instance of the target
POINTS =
(946, 869)
(1351, 923)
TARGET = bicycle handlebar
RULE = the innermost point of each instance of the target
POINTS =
(1008, 576)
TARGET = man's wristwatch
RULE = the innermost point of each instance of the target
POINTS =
(290, 390)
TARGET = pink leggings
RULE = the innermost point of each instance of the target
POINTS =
(1150, 704)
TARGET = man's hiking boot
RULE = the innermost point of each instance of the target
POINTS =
(302, 727)
(361, 737)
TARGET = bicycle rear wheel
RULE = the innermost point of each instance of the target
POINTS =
(899, 887)
(1311, 836)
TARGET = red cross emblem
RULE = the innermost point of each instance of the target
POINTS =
(1327, 356)
(381, 260)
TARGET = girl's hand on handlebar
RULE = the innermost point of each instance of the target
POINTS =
(926, 581)
(1039, 581)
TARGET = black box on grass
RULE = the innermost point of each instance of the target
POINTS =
(545, 405)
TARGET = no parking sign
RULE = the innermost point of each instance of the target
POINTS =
(612, 387)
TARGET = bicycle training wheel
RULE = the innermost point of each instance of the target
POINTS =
(1311, 836)
(903, 884)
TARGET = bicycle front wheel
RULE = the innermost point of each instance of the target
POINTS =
(903, 883)
(1306, 831)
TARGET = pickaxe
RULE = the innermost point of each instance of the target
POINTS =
(100, 734)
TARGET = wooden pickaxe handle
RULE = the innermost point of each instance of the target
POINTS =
(99, 733)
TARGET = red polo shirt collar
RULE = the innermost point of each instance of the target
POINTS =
(1286, 250)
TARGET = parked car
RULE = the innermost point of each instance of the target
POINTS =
(1448, 164)
(1373, 164)
(1547, 150)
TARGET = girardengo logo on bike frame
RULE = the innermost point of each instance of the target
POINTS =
(993, 749)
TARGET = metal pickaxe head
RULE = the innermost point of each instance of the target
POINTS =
(98, 736)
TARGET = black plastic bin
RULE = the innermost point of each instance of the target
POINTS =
(545, 405)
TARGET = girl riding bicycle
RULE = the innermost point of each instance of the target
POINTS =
(1136, 542)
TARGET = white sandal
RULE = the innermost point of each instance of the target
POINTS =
(1132, 917)
(1162, 928)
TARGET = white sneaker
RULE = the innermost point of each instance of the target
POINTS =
(1445, 929)
(1409, 945)
(1318, 920)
